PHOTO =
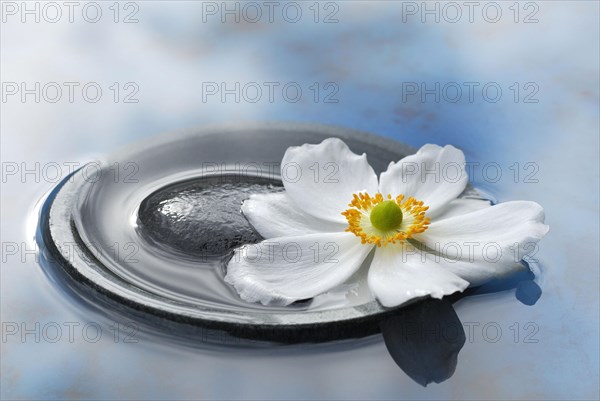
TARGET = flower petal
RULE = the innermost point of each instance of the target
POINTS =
(458, 207)
(275, 215)
(489, 242)
(434, 175)
(476, 271)
(320, 179)
(398, 274)
(282, 270)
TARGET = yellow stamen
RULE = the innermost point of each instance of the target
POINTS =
(359, 223)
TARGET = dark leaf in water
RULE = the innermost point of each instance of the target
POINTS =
(424, 339)
(528, 292)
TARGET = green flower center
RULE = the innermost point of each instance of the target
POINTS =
(386, 216)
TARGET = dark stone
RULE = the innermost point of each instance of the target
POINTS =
(202, 217)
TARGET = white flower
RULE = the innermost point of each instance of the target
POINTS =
(334, 212)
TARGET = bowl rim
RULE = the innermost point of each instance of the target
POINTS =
(80, 264)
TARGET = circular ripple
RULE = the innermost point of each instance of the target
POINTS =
(137, 241)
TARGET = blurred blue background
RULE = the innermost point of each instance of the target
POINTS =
(370, 66)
